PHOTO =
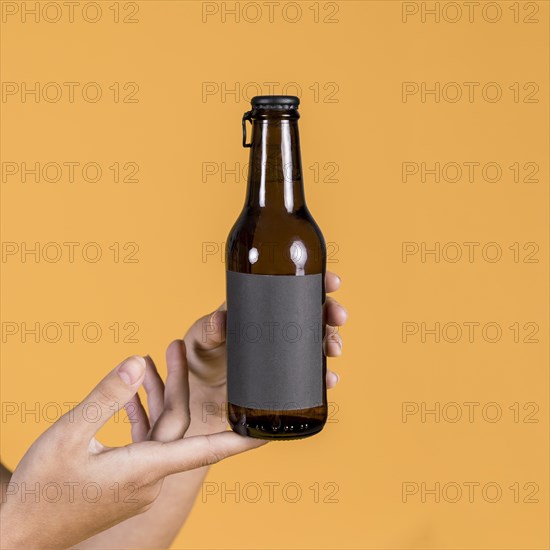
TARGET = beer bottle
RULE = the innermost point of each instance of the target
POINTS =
(275, 261)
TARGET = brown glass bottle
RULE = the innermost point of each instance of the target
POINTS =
(276, 260)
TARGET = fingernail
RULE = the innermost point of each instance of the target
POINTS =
(338, 350)
(345, 312)
(131, 370)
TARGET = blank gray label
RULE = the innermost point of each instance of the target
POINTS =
(274, 341)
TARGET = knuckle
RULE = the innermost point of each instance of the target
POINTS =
(332, 334)
(104, 396)
(212, 454)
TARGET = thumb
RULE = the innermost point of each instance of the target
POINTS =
(208, 332)
(110, 395)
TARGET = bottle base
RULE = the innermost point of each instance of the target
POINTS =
(281, 425)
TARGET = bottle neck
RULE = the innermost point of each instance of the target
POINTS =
(275, 167)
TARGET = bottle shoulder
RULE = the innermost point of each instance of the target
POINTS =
(264, 241)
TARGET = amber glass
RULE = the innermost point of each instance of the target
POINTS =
(274, 226)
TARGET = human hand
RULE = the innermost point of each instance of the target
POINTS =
(69, 486)
(207, 357)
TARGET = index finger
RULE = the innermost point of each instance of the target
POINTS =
(201, 450)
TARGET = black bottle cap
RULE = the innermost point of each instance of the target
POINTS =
(275, 102)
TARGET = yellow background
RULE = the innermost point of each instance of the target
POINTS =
(368, 452)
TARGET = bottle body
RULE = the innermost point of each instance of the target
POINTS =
(276, 261)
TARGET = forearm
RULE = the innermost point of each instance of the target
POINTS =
(157, 527)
